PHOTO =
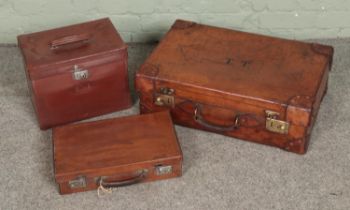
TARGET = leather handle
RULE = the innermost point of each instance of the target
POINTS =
(67, 40)
(138, 178)
(200, 120)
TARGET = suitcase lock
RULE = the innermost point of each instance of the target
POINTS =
(165, 97)
(79, 182)
(163, 169)
(275, 125)
(80, 74)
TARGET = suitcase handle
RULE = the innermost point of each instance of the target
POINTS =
(68, 40)
(138, 178)
(200, 120)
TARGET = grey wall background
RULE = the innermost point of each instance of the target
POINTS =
(147, 20)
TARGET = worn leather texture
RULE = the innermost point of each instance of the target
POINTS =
(52, 56)
(115, 148)
(233, 77)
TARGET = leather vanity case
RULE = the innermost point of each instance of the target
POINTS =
(257, 88)
(76, 72)
(116, 152)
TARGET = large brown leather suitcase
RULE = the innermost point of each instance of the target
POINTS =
(116, 152)
(76, 72)
(258, 88)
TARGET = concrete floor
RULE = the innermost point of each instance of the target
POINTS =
(219, 172)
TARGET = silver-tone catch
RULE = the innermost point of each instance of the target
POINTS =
(162, 170)
(80, 74)
(79, 182)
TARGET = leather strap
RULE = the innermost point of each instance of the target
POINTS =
(134, 180)
(200, 120)
(246, 120)
(67, 40)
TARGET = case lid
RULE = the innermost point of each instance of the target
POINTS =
(237, 64)
(68, 44)
(94, 147)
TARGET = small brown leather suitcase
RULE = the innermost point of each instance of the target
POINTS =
(76, 72)
(258, 88)
(116, 152)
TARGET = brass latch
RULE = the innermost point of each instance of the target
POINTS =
(165, 97)
(275, 125)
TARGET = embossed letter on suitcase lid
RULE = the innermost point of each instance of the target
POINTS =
(221, 80)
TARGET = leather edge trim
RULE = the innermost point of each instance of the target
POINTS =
(324, 50)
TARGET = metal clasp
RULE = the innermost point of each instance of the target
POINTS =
(162, 170)
(79, 182)
(80, 74)
(275, 125)
(165, 97)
